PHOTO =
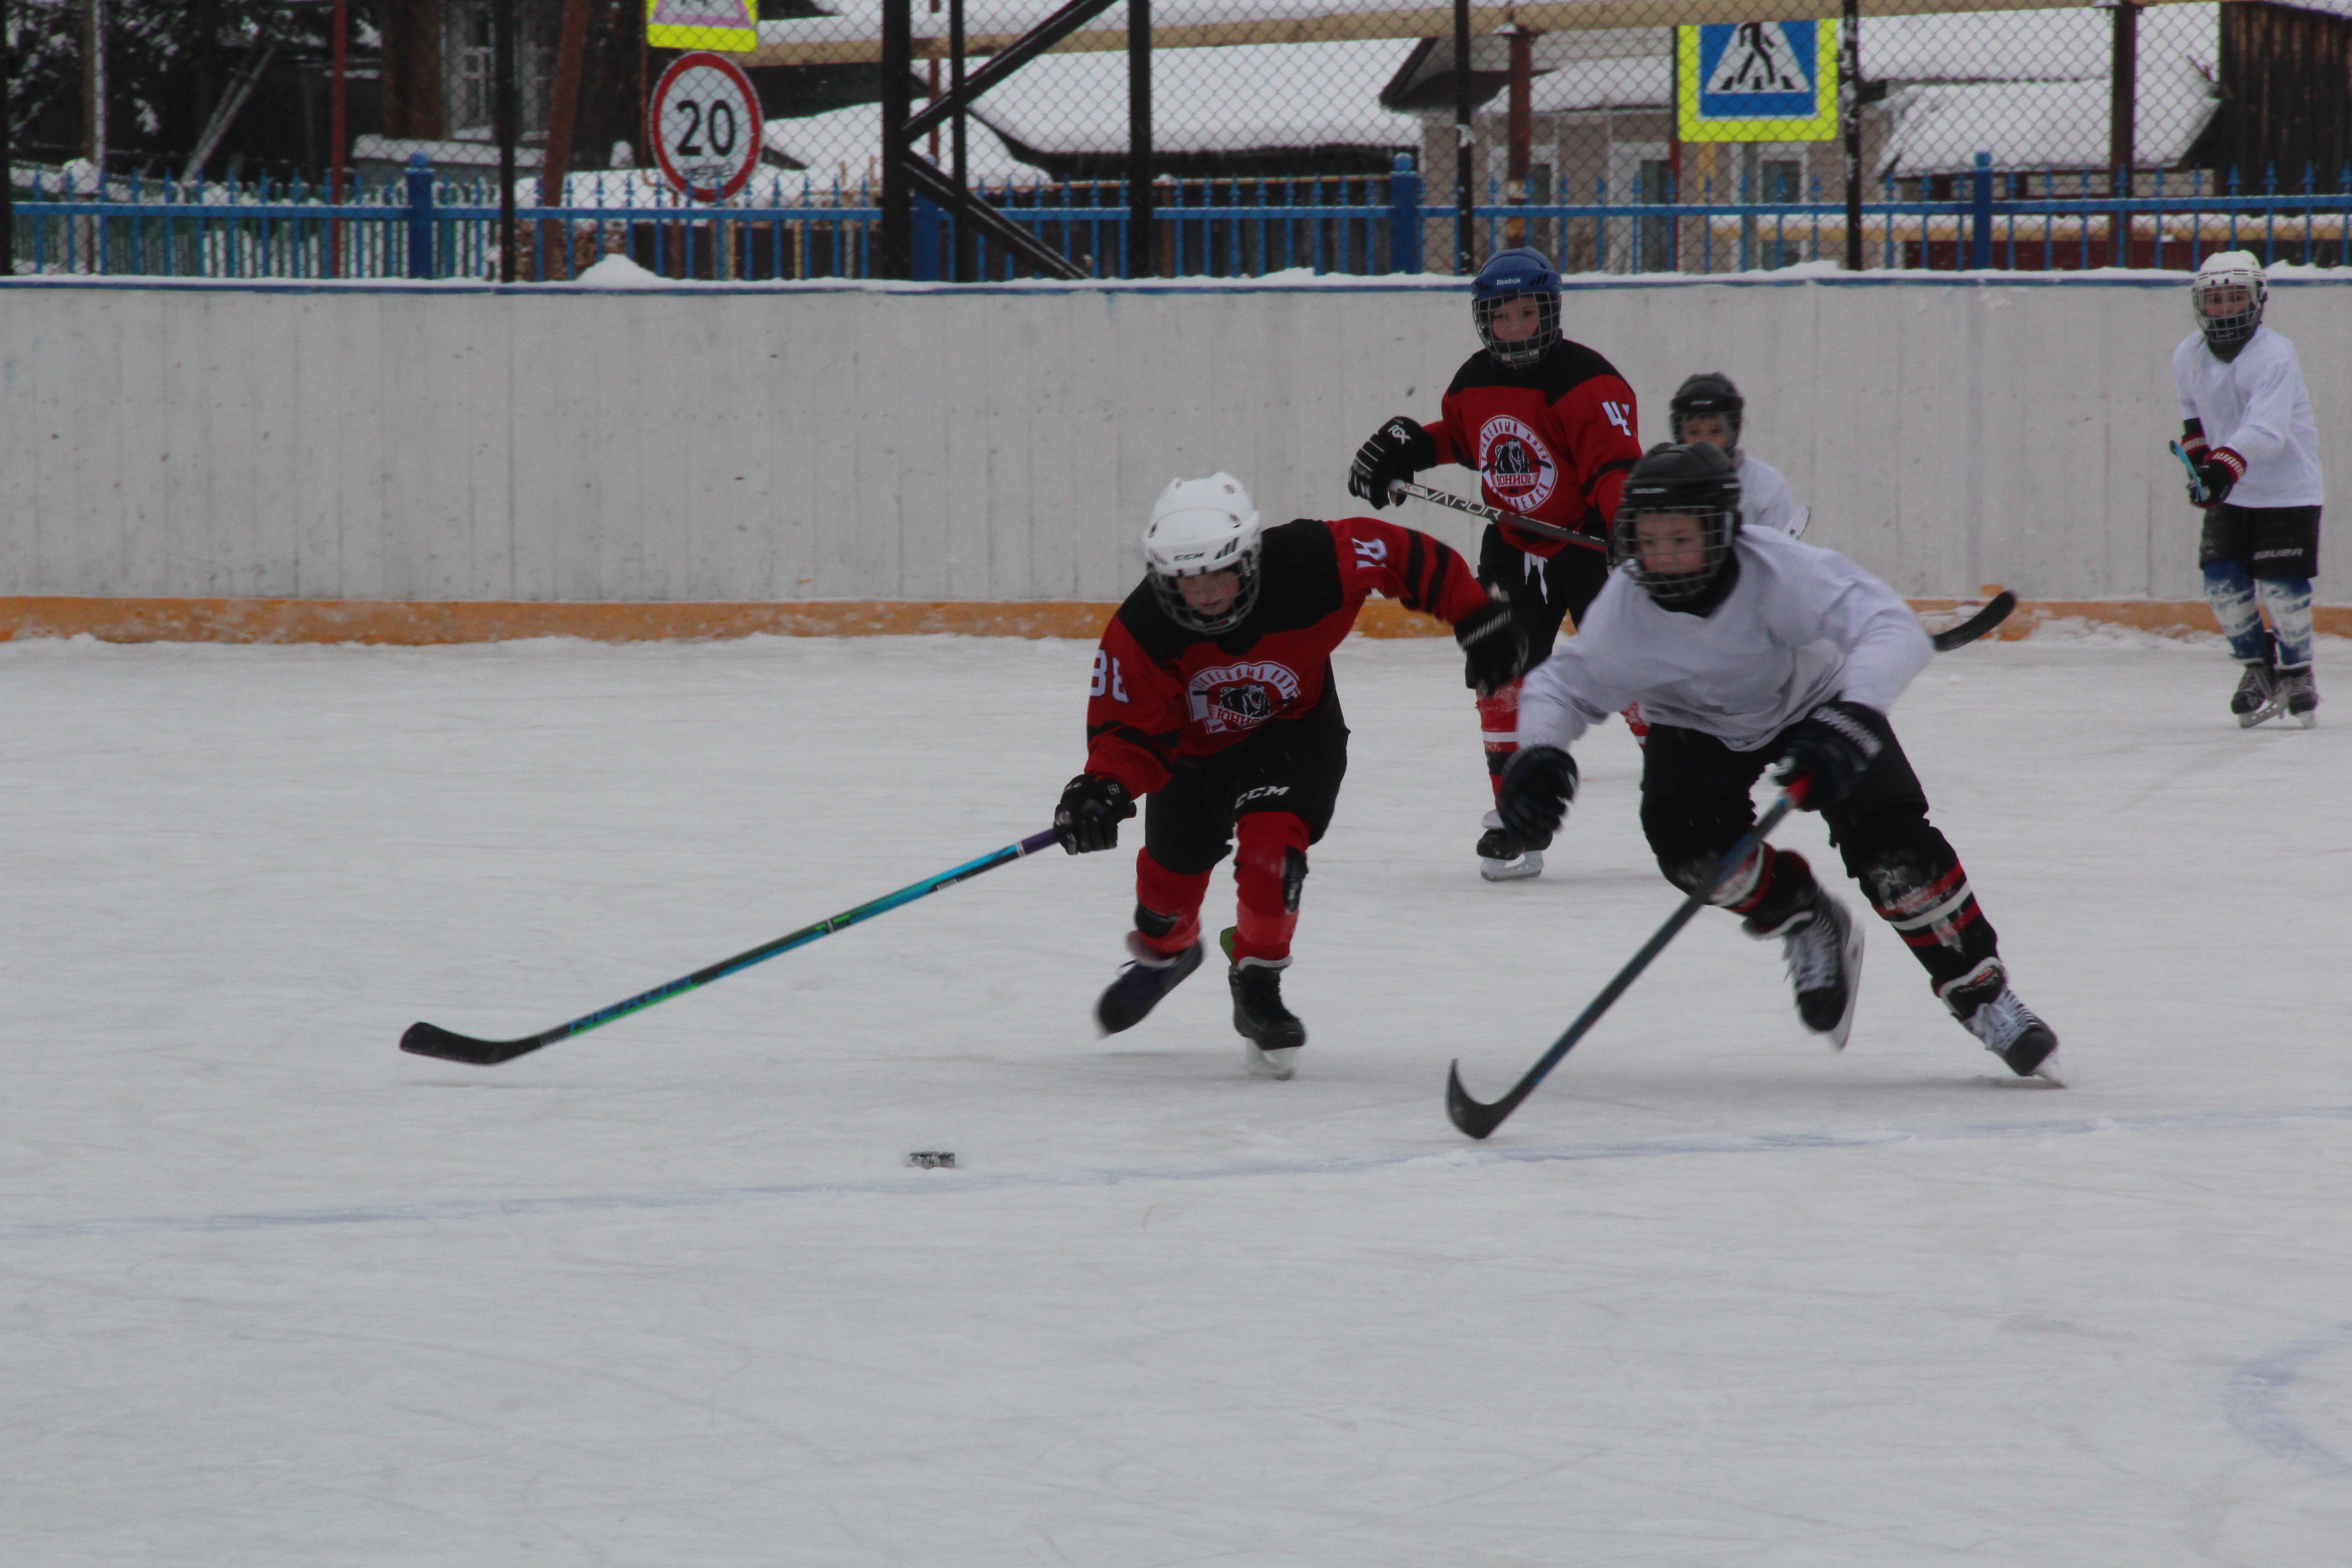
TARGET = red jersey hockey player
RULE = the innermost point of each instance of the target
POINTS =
(1212, 696)
(1551, 428)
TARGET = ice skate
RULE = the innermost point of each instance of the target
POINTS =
(1982, 1001)
(2257, 700)
(1271, 1035)
(1823, 947)
(1501, 857)
(2298, 696)
(1140, 985)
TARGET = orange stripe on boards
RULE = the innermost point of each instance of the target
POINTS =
(422, 623)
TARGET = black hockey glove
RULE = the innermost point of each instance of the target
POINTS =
(1493, 644)
(1398, 450)
(1093, 806)
(1536, 789)
(2217, 471)
(1830, 750)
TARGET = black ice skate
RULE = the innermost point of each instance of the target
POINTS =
(2298, 695)
(1141, 984)
(1981, 1000)
(2257, 700)
(1823, 947)
(1271, 1035)
(1501, 857)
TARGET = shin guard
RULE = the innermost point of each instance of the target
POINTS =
(2288, 602)
(2230, 589)
(1928, 902)
(1499, 728)
(1166, 906)
(1270, 870)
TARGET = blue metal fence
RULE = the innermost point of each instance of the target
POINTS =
(422, 227)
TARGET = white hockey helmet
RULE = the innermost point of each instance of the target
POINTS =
(2228, 270)
(1200, 526)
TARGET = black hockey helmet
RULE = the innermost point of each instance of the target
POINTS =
(1694, 480)
(1505, 277)
(1709, 392)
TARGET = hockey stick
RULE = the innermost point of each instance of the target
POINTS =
(2197, 492)
(1996, 610)
(428, 1040)
(1399, 489)
(1479, 1119)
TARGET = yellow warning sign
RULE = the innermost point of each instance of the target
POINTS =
(731, 26)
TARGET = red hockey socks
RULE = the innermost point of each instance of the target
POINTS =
(1498, 727)
(1270, 869)
(1166, 906)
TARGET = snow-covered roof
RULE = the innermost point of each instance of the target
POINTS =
(1253, 96)
(1643, 82)
(1939, 130)
(846, 144)
(2075, 45)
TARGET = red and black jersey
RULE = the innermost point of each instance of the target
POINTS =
(1552, 443)
(1161, 692)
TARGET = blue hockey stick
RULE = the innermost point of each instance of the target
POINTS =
(429, 1040)
(2196, 484)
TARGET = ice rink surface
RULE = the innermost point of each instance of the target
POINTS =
(666, 1294)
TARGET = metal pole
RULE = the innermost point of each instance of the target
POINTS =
(562, 119)
(1465, 242)
(966, 234)
(1522, 131)
(7, 155)
(93, 86)
(502, 126)
(1850, 113)
(2122, 93)
(897, 251)
(337, 128)
(1140, 219)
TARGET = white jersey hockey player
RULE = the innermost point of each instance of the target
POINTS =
(2253, 449)
(1707, 407)
(1744, 648)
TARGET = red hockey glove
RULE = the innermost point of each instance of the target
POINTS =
(2218, 471)
(1093, 806)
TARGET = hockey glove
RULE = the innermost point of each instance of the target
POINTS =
(1830, 750)
(1493, 644)
(1536, 789)
(1093, 806)
(2217, 471)
(1398, 450)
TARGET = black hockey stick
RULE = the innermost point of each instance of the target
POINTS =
(1996, 611)
(1479, 1120)
(428, 1040)
(1399, 489)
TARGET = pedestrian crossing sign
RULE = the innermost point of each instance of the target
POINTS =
(1756, 81)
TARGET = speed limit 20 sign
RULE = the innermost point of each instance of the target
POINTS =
(705, 126)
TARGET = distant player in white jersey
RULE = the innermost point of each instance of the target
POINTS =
(1707, 407)
(1745, 646)
(2247, 429)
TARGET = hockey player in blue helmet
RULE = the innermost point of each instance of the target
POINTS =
(1551, 430)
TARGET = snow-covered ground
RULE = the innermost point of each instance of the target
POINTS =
(272, 1292)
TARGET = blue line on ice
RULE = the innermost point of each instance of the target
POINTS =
(2257, 1390)
(945, 1183)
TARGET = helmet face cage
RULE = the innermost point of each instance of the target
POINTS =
(2236, 326)
(1528, 352)
(1168, 588)
(1717, 528)
(1706, 395)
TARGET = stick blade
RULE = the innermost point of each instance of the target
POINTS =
(1467, 1114)
(431, 1040)
(1996, 610)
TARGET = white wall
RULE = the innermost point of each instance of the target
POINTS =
(395, 442)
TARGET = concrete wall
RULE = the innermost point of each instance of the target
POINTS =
(417, 443)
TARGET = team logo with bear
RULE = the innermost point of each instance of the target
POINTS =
(1227, 698)
(1518, 466)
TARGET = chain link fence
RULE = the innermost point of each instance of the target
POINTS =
(532, 140)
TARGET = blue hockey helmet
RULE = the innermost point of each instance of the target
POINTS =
(1506, 275)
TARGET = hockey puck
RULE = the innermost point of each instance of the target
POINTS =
(933, 1159)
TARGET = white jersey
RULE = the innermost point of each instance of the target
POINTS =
(2256, 405)
(1764, 500)
(1803, 626)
